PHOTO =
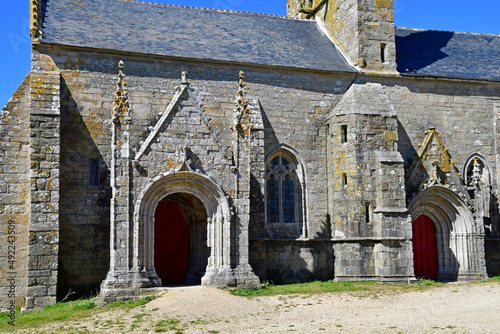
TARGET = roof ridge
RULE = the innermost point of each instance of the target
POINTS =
(215, 10)
(454, 32)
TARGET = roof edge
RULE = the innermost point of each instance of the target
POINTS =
(201, 60)
(448, 78)
(344, 57)
(454, 32)
(214, 10)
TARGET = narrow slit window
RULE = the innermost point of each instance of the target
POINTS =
(94, 172)
(367, 213)
(343, 133)
(344, 179)
(383, 48)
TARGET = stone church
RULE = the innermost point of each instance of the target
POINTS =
(156, 145)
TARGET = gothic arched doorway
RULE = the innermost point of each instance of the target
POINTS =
(212, 238)
(425, 261)
(180, 246)
(459, 240)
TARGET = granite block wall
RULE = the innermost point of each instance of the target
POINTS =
(345, 183)
(14, 196)
(289, 117)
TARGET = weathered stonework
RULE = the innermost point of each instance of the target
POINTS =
(363, 30)
(14, 191)
(287, 168)
(43, 248)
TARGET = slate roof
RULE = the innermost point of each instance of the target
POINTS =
(190, 33)
(447, 54)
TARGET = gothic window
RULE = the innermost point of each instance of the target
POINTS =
(282, 189)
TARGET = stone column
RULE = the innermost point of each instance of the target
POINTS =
(124, 278)
(242, 156)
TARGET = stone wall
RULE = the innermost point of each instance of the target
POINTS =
(14, 194)
(370, 226)
(352, 180)
(289, 261)
(464, 115)
(292, 108)
(43, 248)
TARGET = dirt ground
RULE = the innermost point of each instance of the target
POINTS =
(455, 308)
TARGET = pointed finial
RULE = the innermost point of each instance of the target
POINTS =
(241, 83)
(241, 102)
(120, 105)
(476, 172)
(241, 108)
(121, 75)
(184, 79)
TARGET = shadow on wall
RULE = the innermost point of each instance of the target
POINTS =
(273, 256)
(415, 50)
(405, 147)
(492, 238)
(84, 206)
(257, 228)
(286, 262)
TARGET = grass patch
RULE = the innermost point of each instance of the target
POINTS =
(307, 288)
(167, 325)
(428, 283)
(73, 310)
(63, 311)
(493, 279)
(370, 287)
(130, 304)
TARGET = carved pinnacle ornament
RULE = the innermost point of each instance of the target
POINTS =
(476, 173)
(241, 108)
(35, 20)
(120, 103)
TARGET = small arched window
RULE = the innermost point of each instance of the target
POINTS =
(283, 190)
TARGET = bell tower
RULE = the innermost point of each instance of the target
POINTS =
(362, 29)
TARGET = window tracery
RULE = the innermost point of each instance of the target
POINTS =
(282, 190)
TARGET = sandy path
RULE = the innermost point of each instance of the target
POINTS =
(456, 308)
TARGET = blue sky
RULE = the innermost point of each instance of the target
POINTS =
(476, 16)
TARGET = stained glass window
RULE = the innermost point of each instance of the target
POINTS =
(287, 189)
(281, 190)
(272, 199)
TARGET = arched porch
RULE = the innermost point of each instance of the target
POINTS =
(189, 189)
(460, 240)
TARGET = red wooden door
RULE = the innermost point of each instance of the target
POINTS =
(424, 248)
(171, 242)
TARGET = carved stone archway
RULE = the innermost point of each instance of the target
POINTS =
(460, 240)
(219, 223)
